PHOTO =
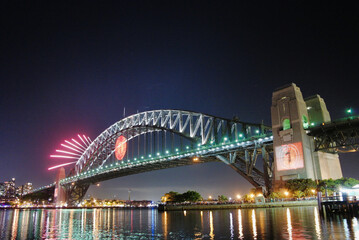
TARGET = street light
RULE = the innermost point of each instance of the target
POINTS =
(349, 111)
(286, 193)
(238, 196)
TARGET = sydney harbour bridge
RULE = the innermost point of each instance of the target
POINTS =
(161, 139)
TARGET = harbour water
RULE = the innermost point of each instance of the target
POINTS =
(274, 223)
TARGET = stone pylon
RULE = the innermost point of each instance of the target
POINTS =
(60, 193)
(294, 153)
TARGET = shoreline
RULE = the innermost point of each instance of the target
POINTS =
(50, 207)
(195, 206)
(238, 206)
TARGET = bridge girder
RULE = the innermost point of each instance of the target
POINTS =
(337, 136)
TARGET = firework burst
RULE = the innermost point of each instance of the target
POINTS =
(72, 149)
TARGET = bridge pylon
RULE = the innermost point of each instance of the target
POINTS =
(59, 192)
(295, 157)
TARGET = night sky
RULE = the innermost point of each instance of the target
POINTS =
(71, 67)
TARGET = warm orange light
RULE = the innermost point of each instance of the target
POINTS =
(196, 159)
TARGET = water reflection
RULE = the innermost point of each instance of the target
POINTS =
(355, 228)
(164, 223)
(14, 224)
(211, 234)
(317, 223)
(240, 227)
(231, 225)
(287, 223)
(254, 224)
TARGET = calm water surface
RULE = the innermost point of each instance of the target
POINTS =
(277, 223)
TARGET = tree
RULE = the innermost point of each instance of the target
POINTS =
(303, 185)
(222, 198)
(274, 195)
(191, 196)
(170, 197)
(298, 194)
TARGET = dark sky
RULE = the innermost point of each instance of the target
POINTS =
(70, 67)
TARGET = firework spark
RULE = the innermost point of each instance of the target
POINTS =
(61, 165)
(74, 150)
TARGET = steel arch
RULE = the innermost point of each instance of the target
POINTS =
(192, 125)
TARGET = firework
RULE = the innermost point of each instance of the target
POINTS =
(73, 149)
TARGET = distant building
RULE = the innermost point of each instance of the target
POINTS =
(9, 189)
(2, 190)
(23, 189)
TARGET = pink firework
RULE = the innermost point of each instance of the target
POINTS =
(72, 149)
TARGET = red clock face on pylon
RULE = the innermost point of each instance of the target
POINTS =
(120, 147)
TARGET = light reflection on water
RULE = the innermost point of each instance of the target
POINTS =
(275, 223)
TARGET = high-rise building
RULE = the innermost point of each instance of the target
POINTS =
(10, 190)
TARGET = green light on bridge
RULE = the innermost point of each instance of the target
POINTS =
(349, 110)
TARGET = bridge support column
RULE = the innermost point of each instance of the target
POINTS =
(293, 148)
(60, 193)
